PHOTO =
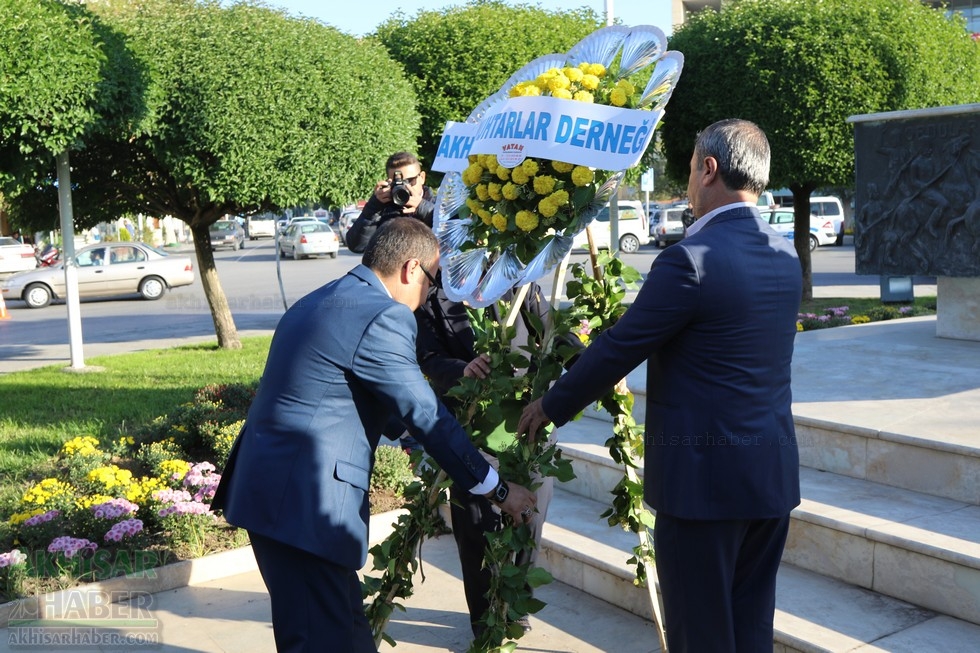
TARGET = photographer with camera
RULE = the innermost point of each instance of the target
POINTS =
(403, 193)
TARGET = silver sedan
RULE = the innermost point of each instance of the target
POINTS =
(106, 269)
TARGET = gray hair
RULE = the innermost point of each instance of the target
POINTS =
(399, 240)
(742, 151)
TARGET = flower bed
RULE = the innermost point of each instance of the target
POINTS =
(836, 316)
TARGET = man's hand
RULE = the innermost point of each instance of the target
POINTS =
(382, 191)
(478, 368)
(532, 420)
(519, 503)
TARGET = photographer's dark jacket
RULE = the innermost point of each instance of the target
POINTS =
(376, 213)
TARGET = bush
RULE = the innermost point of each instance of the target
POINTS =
(392, 470)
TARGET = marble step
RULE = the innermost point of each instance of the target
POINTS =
(814, 613)
(908, 545)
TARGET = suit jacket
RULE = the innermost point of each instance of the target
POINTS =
(715, 320)
(341, 361)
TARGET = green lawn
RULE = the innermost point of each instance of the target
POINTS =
(42, 408)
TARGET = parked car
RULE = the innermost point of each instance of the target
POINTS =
(305, 238)
(344, 222)
(15, 256)
(830, 207)
(667, 226)
(105, 269)
(633, 229)
(261, 226)
(821, 229)
(227, 233)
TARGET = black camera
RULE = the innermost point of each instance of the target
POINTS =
(400, 190)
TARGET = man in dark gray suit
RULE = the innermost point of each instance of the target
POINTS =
(715, 320)
(342, 361)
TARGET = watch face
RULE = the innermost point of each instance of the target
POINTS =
(500, 495)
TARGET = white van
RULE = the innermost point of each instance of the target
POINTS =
(261, 226)
(830, 207)
(633, 228)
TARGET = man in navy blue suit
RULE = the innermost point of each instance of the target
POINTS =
(715, 321)
(342, 361)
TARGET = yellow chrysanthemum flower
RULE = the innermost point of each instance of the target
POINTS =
(500, 222)
(573, 74)
(173, 469)
(582, 176)
(559, 197)
(482, 193)
(526, 220)
(597, 69)
(494, 191)
(110, 477)
(530, 166)
(21, 517)
(485, 216)
(627, 87)
(511, 191)
(45, 492)
(544, 184)
(617, 98)
(547, 207)
(503, 174)
(140, 491)
(562, 94)
(590, 82)
(519, 176)
(561, 167)
(558, 83)
(472, 174)
(83, 445)
(584, 96)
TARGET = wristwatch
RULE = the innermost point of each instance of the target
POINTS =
(499, 494)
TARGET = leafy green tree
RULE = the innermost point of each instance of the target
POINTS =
(799, 69)
(244, 110)
(58, 88)
(457, 57)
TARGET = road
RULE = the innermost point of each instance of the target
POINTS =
(250, 283)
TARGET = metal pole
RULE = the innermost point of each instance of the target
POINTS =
(71, 268)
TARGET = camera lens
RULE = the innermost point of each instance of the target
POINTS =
(400, 194)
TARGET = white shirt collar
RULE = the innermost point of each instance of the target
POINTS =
(704, 219)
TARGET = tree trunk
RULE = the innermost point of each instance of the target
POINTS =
(801, 236)
(224, 323)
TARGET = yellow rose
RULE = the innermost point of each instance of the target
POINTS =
(510, 191)
(544, 184)
(617, 97)
(526, 220)
(582, 176)
(500, 222)
(584, 96)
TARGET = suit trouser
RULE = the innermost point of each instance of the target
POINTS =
(718, 582)
(316, 605)
(473, 516)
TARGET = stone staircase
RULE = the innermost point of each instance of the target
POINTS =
(883, 553)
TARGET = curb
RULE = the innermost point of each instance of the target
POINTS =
(161, 579)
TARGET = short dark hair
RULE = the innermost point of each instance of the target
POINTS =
(399, 240)
(399, 159)
(742, 151)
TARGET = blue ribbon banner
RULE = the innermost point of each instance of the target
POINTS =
(594, 135)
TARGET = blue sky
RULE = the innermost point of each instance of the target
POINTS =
(360, 18)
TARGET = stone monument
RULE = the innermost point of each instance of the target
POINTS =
(917, 205)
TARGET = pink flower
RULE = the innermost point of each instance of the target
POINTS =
(42, 518)
(114, 508)
(125, 528)
(70, 545)
(13, 557)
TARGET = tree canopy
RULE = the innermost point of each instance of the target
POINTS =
(799, 69)
(237, 110)
(458, 56)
